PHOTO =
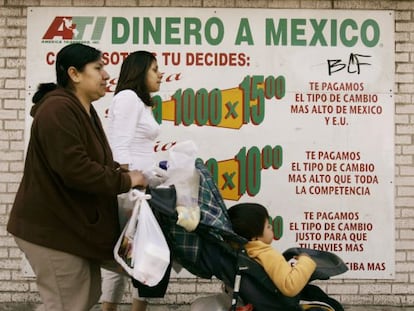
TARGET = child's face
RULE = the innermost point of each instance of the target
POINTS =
(267, 236)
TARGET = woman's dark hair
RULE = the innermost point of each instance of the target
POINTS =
(133, 72)
(248, 219)
(73, 55)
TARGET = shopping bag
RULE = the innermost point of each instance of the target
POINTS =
(123, 250)
(182, 173)
(125, 208)
(141, 249)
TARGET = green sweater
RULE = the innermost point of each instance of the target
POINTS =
(67, 197)
(289, 280)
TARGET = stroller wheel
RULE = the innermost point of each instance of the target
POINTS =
(316, 306)
(248, 307)
(315, 299)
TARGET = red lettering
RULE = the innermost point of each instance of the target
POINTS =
(60, 27)
(50, 58)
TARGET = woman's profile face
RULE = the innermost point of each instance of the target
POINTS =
(91, 84)
(153, 78)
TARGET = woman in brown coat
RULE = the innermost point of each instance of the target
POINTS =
(65, 217)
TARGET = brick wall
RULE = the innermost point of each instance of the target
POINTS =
(400, 291)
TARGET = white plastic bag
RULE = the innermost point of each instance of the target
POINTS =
(141, 249)
(125, 208)
(182, 173)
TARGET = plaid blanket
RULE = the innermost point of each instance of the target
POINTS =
(212, 207)
(214, 222)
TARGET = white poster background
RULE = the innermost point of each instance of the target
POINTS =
(326, 146)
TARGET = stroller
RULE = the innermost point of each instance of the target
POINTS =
(209, 251)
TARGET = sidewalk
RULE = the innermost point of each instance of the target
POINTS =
(347, 308)
(33, 307)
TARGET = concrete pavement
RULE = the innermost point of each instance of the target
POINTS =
(125, 307)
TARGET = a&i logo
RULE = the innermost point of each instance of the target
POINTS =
(85, 29)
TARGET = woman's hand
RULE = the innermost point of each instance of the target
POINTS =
(138, 179)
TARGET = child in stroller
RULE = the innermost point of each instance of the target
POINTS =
(209, 251)
(251, 221)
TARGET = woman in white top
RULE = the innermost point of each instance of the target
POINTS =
(131, 132)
